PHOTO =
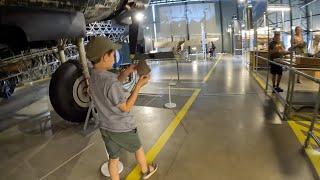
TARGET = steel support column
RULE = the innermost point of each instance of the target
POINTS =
(83, 59)
(133, 36)
(291, 74)
(308, 22)
(268, 64)
(221, 27)
(314, 119)
(61, 47)
(187, 24)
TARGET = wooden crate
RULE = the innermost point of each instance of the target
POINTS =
(258, 62)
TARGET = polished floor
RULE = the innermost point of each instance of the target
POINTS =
(230, 131)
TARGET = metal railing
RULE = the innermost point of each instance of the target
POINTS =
(44, 59)
(293, 72)
(30, 55)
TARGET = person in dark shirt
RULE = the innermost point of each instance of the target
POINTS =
(277, 51)
(212, 50)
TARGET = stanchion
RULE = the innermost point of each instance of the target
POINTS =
(170, 104)
(197, 56)
(105, 168)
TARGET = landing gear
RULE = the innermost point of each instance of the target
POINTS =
(69, 84)
(68, 88)
(68, 92)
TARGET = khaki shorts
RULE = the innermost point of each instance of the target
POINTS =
(115, 141)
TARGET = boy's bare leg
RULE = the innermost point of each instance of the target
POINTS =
(141, 159)
(113, 169)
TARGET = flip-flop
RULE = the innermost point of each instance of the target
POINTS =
(149, 173)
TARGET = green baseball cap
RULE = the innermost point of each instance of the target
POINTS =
(98, 46)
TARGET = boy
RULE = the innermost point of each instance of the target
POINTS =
(117, 126)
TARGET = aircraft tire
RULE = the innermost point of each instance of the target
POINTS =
(67, 92)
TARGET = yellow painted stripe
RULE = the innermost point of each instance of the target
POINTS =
(205, 79)
(314, 157)
(302, 128)
(307, 123)
(300, 117)
(297, 131)
(312, 154)
(156, 148)
(259, 80)
(305, 116)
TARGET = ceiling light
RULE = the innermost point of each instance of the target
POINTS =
(139, 16)
(278, 7)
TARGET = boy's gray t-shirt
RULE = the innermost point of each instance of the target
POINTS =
(107, 93)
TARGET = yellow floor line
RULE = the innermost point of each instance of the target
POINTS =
(156, 148)
(299, 132)
(314, 157)
(312, 154)
(307, 123)
(300, 127)
(259, 80)
(205, 79)
(305, 116)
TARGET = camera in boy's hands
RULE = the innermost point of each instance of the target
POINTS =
(143, 68)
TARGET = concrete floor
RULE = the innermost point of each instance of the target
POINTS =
(230, 132)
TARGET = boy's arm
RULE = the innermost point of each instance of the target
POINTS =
(124, 74)
(126, 107)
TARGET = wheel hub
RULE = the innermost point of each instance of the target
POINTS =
(79, 92)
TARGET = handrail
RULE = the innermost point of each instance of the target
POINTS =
(291, 68)
(308, 69)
